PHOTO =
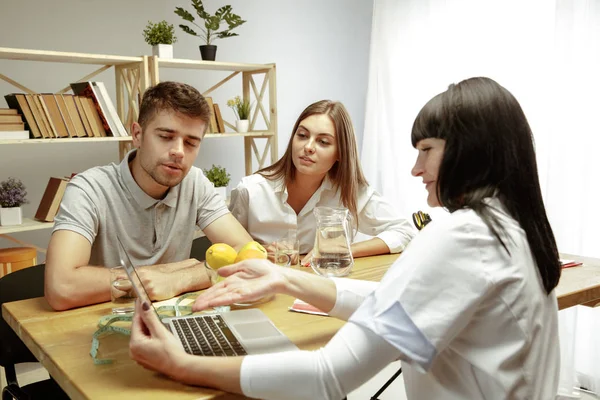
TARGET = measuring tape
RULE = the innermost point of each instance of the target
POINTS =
(105, 324)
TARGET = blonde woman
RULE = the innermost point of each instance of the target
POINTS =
(320, 167)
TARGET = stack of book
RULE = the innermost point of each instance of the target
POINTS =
(88, 112)
(11, 125)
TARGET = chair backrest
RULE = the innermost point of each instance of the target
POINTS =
(199, 247)
(19, 285)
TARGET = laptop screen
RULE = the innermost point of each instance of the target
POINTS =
(136, 282)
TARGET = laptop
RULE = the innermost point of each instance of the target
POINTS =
(232, 333)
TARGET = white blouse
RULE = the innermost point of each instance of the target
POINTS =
(260, 205)
(468, 320)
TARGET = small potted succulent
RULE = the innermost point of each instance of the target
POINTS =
(212, 23)
(12, 197)
(241, 109)
(160, 36)
(220, 178)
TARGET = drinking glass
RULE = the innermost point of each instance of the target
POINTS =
(122, 294)
(288, 248)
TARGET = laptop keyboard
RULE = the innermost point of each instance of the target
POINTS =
(207, 335)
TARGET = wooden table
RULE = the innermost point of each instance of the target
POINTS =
(579, 285)
(61, 340)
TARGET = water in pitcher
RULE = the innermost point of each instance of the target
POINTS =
(332, 265)
(332, 256)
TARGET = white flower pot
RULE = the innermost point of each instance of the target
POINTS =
(11, 216)
(222, 190)
(163, 50)
(241, 125)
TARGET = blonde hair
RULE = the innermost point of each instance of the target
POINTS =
(346, 174)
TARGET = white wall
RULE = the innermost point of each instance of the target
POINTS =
(321, 49)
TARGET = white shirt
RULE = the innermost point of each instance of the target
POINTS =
(260, 205)
(468, 320)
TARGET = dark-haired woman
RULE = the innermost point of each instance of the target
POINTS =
(469, 306)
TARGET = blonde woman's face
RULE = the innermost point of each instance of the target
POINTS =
(314, 146)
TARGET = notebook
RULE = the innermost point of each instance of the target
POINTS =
(232, 333)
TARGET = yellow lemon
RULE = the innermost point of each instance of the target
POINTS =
(219, 255)
(251, 250)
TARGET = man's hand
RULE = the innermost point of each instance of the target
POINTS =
(246, 281)
(165, 281)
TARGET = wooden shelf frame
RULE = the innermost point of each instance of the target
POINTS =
(131, 78)
(250, 93)
(27, 225)
(133, 75)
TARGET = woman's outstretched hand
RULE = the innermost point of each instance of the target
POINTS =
(152, 345)
(245, 281)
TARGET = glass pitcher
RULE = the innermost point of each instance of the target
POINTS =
(332, 255)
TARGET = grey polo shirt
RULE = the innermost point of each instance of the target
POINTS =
(104, 202)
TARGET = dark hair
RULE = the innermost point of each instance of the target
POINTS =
(175, 96)
(489, 152)
(346, 174)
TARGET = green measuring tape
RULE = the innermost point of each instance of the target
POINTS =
(105, 325)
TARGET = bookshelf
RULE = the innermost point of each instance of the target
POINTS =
(133, 75)
(250, 92)
(131, 79)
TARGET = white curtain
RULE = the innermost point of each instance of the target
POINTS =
(547, 53)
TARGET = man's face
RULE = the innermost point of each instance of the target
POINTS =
(167, 148)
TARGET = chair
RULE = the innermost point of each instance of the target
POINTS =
(19, 285)
(15, 258)
(199, 247)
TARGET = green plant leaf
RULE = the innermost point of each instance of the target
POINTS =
(223, 11)
(199, 7)
(225, 34)
(218, 175)
(213, 23)
(185, 14)
(187, 29)
(233, 21)
(159, 33)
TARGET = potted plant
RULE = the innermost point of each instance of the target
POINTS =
(160, 36)
(241, 109)
(220, 178)
(12, 197)
(210, 30)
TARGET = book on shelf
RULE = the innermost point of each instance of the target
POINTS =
(18, 104)
(51, 199)
(219, 118)
(212, 128)
(111, 109)
(84, 119)
(64, 113)
(8, 111)
(93, 116)
(45, 115)
(69, 102)
(38, 115)
(12, 127)
(10, 119)
(54, 115)
(112, 125)
(14, 135)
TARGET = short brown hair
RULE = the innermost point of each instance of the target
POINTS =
(175, 96)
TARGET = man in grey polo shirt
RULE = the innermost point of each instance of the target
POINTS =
(153, 201)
